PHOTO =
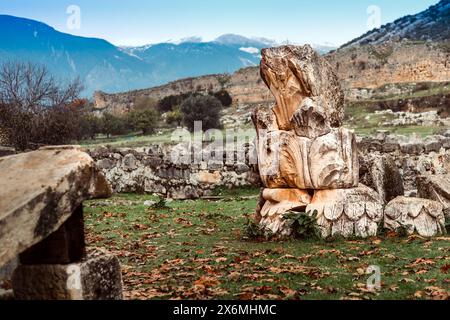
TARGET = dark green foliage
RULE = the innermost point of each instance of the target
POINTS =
(161, 204)
(201, 108)
(174, 117)
(304, 225)
(90, 126)
(170, 102)
(253, 231)
(112, 125)
(144, 120)
(224, 97)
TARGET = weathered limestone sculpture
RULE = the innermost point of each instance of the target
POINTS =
(41, 221)
(421, 216)
(307, 161)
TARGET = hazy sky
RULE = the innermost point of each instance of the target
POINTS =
(137, 22)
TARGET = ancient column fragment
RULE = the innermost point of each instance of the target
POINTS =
(278, 202)
(353, 212)
(415, 215)
(295, 73)
(301, 147)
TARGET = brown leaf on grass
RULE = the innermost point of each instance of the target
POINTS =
(445, 268)
(207, 281)
(233, 275)
(288, 292)
(140, 226)
(246, 296)
(183, 221)
(437, 293)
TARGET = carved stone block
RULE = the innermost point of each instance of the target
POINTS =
(277, 202)
(416, 215)
(289, 161)
(353, 212)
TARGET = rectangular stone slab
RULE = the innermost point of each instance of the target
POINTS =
(39, 191)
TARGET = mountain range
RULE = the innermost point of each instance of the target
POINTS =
(432, 24)
(102, 66)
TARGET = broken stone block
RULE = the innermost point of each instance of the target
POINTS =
(40, 190)
(333, 161)
(354, 212)
(414, 148)
(422, 216)
(277, 202)
(289, 161)
(432, 144)
(97, 277)
(381, 173)
(310, 120)
(435, 187)
(293, 73)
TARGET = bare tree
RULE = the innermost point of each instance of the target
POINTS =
(34, 109)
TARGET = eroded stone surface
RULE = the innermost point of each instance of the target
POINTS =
(277, 202)
(97, 277)
(416, 215)
(435, 187)
(289, 161)
(380, 172)
(347, 212)
(39, 190)
(294, 73)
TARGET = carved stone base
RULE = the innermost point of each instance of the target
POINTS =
(353, 212)
(97, 277)
(278, 202)
(421, 216)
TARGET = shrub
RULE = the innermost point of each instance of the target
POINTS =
(90, 126)
(224, 97)
(201, 108)
(112, 125)
(253, 231)
(303, 224)
(174, 117)
(144, 120)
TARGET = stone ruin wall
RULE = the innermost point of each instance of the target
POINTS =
(151, 170)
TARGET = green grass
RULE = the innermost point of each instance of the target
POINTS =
(128, 141)
(196, 250)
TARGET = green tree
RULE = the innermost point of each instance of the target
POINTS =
(144, 120)
(174, 117)
(112, 125)
(201, 108)
(90, 126)
(224, 98)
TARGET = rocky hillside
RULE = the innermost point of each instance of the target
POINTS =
(413, 49)
(372, 66)
(432, 24)
(362, 70)
(245, 86)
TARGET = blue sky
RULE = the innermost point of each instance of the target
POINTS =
(137, 22)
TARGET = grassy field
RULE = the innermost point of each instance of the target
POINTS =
(198, 250)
